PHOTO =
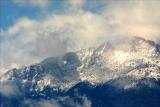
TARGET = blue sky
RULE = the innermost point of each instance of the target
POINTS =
(11, 11)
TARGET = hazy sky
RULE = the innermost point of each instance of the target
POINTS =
(31, 30)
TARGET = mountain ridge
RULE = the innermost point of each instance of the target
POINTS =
(130, 65)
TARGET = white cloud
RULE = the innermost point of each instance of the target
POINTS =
(75, 5)
(46, 103)
(71, 31)
(41, 103)
(65, 100)
(38, 3)
(139, 18)
(86, 102)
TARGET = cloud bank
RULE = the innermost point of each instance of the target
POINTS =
(139, 18)
(58, 102)
(76, 28)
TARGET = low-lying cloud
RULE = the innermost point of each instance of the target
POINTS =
(78, 28)
(66, 100)
(9, 89)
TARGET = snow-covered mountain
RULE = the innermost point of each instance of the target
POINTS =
(128, 65)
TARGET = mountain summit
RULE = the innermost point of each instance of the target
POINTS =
(129, 65)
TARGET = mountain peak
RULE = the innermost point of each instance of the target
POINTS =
(131, 66)
(137, 58)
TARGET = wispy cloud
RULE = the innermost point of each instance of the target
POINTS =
(42, 103)
(66, 100)
(74, 5)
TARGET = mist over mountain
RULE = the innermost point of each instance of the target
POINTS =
(79, 53)
(120, 74)
(34, 30)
